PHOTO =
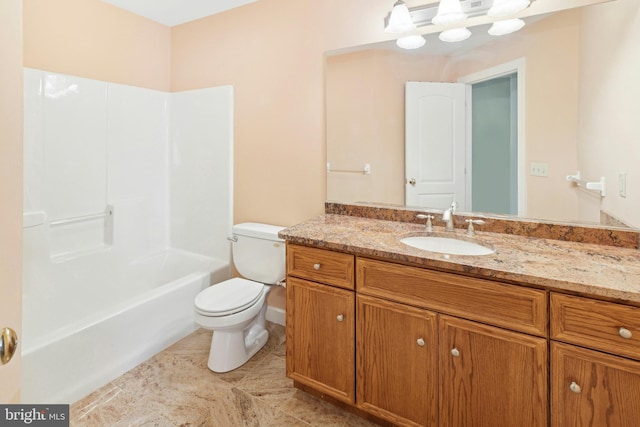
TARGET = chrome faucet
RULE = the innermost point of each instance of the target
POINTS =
(447, 216)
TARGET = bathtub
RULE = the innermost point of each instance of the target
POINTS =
(95, 317)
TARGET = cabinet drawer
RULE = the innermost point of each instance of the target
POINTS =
(513, 307)
(320, 265)
(605, 326)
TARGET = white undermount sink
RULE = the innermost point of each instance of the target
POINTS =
(447, 245)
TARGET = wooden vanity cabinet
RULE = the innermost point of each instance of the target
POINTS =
(319, 265)
(397, 362)
(414, 346)
(490, 376)
(588, 386)
(321, 321)
(484, 375)
(487, 301)
(408, 342)
(419, 347)
(591, 388)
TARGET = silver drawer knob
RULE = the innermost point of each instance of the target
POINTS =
(420, 342)
(316, 266)
(625, 333)
(455, 352)
(340, 317)
(574, 387)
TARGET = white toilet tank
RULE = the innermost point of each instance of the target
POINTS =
(258, 252)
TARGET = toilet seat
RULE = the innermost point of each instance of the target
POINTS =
(229, 297)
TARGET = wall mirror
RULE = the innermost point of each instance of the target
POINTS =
(560, 118)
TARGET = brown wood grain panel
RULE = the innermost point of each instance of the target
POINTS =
(320, 344)
(320, 265)
(510, 306)
(595, 324)
(497, 378)
(609, 394)
(397, 377)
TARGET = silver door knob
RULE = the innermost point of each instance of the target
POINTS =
(412, 181)
(420, 342)
(455, 352)
(340, 317)
(625, 333)
(316, 266)
(8, 345)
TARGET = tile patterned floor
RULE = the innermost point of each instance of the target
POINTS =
(175, 388)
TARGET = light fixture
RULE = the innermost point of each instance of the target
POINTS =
(508, 26)
(455, 35)
(507, 7)
(411, 42)
(400, 19)
(453, 16)
(449, 12)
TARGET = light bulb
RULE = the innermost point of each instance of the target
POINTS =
(507, 7)
(455, 35)
(400, 19)
(411, 42)
(449, 12)
(508, 26)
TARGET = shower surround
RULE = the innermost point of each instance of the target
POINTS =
(127, 206)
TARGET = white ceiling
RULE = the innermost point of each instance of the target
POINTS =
(176, 12)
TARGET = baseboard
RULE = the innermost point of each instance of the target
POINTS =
(275, 315)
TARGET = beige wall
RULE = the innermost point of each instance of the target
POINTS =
(550, 49)
(92, 39)
(365, 121)
(11, 187)
(271, 51)
(610, 88)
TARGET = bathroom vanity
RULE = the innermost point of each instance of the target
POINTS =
(541, 332)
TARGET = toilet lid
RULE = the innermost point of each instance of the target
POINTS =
(228, 297)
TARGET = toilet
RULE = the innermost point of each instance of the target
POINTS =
(235, 309)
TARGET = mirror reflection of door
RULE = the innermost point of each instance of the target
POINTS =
(435, 140)
(494, 136)
(486, 174)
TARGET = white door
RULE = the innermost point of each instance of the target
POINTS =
(10, 191)
(435, 140)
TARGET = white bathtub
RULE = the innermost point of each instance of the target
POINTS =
(90, 319)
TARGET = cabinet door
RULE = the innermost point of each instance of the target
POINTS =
(589, 388)
(491, 377)
(396, 354)
(321, 338)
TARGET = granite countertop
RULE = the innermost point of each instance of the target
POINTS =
(588, 269)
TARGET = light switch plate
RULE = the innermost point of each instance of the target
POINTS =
(539, 169)
(622, 184)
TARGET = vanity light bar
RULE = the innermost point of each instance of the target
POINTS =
(422, 15)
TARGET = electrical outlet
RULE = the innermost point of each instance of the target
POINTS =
(622, 184)
(539, 169)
